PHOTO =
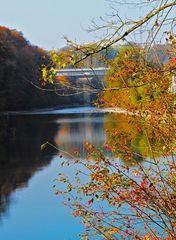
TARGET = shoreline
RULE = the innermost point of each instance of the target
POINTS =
(38, 110)
(69, 109)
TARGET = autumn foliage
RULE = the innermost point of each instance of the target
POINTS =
(21, 69)
(134, 83)
(20, 66)
(129, 190)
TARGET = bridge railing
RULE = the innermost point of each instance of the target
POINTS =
(82, 72)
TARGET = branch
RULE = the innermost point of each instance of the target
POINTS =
(132, 29)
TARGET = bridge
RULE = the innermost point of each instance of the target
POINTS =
(93, 72)
(82, 72)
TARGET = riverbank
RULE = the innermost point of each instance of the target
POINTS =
(68, 109)
(48, 110)
(72, 109)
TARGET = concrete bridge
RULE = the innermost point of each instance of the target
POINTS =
(93, 72)
(82, 72)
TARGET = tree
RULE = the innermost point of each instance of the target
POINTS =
(118, 201)
(134, 199)
(20, 67)
(134, 83)
(156, 25)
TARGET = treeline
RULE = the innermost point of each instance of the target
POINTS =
(21, 87)
(157, 53)
(20, 75)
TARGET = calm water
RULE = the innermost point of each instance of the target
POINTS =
(28, 208)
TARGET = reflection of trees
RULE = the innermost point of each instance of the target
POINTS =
(116, 201)
(20, 140)
(73, 132)
(133, 138)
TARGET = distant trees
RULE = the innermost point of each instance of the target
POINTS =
(20, 75)
(152, 23)
(21, 69)
(20, 65)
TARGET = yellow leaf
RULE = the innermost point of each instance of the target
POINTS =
(114, 230)
(146, 237)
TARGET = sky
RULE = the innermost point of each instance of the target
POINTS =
(46, 22)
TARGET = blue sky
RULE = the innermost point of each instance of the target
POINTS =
(45, 22)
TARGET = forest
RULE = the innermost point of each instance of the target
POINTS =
(21, 65)
(21, 87)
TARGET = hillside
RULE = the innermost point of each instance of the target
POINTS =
(20, 76)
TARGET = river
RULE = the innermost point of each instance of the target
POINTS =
(29, 209)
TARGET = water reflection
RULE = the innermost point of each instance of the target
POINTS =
(115, 199)
(22, 136)
(73, 132)
(132, 138)
(20, 158)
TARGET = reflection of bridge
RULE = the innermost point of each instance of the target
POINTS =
(82, 72)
